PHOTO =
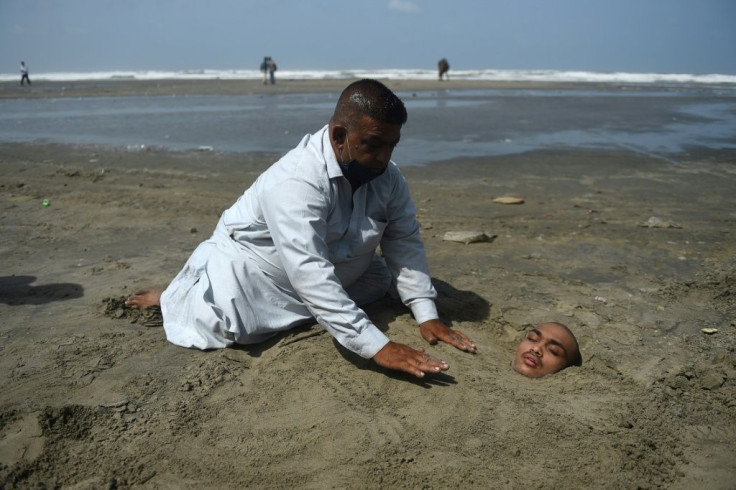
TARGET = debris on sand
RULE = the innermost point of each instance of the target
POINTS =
(148, 317)
(655, 222)
(509, 200)
(468, 236)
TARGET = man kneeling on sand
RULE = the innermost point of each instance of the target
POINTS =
(546, 349)
(301, 245)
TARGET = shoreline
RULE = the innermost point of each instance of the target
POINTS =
(680, 121)
(110, 88)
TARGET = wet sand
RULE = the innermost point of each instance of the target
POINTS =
(93, 396)
(88, 88)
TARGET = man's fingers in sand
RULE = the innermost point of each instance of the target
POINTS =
(460, 340)
(434, 330)
(433, 364)
(457, 339)
(404, 358)
(421, 362)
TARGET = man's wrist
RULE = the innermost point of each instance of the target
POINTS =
(424, 310)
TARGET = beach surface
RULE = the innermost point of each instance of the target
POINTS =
(634, 253)
(94, 88)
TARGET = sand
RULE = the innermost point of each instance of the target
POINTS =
(87, 88)
(93, 396)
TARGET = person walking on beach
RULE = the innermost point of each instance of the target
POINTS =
(271, 70)
(301, 245)
(264, 68)
(268, 67)
(443, 68)
(24, 73)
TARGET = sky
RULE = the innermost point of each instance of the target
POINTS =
(639, 36)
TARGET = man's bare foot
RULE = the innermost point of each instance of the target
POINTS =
(144, 299)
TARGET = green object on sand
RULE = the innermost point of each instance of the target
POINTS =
(45, 203)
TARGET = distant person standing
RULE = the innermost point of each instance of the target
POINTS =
(24, 73)
(271, 69)
(264, 68)
(443, 67)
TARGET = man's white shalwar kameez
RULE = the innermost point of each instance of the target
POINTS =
(298, 245)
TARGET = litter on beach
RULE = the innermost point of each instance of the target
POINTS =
(467, 236)
(509, 200)
(655, 222)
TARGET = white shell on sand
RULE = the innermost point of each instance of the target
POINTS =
(508, 200)
(655, 222)
(467, 236)
(709, 331)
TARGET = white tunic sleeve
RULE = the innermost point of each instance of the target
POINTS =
(403, 250)
(296, 213)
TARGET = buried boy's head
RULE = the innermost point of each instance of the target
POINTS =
(546, 349)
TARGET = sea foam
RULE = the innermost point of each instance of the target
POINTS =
(392, 74)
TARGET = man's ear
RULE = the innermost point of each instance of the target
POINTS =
(338, 133)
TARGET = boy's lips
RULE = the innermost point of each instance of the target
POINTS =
(530, 360)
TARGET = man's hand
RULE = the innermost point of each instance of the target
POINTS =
(404, 358)
(434, 330)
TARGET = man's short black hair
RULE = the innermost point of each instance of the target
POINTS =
(576, 358)
(370, 98)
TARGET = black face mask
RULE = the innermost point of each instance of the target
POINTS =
(356, 173)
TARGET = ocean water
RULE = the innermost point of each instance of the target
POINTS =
(661, 119)
(394, 74)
